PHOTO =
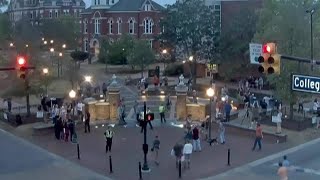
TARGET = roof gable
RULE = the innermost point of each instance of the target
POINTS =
(133, 5)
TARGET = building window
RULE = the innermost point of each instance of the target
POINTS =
(110, 26)
(97, 26)
(85, 26)
(150, 43)
(86, 45)
(147, 7)
(50, 14)
(131, 26)
(119, 21)
(95, 2)
(147, 24)
(56, 14)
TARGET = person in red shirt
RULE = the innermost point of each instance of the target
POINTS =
(259, 136)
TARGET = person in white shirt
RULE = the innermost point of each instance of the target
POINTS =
(187, 151)
(79, 110)
(315, 106)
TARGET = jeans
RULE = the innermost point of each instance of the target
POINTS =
(196, 145)
(108, 144)
(162, 117)
(222, 138)
(257, 141)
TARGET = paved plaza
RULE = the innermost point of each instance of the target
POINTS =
(127, 152)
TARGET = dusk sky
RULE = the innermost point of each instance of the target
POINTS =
(162, 2)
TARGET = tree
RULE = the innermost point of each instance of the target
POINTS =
(116, 52)
(285, 22)
(5, 28)
(234, 43)
(3, 3)
(191, 27)
(79, 56)
(65, 29)
(141, 55)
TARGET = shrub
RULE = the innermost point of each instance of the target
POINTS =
(173, 70)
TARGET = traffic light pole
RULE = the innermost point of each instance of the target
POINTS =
(299, 59)
(145, 167)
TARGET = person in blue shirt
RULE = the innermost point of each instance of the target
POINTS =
(285, 162)
(227, 110)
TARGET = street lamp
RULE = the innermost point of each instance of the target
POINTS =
(145, 167)
(27, 45)
(191, 58)
(311, 12)
(45, 72)
(52, 51)
(60, 56)
(51, 41)
(72, 95)
(45, 42)
(11, 45)
(64, 46)
(210, 93)
(42, 39)
(87, 78)
(164, 52)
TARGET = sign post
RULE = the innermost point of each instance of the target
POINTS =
(255, 52)
(302, 83)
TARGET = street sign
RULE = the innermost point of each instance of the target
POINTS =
(304, 83)
(255, 52)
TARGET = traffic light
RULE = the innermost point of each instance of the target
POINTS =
(21, 67)
(269, 59)
(150, 116)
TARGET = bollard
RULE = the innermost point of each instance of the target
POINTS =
(78, 150)
(228, 157)
(179, 169)
(140, 174)
(110, 164)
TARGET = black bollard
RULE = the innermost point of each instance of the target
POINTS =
(179, 169)
(140, 174)
(78, 149)
(228, 157)
(110, 164)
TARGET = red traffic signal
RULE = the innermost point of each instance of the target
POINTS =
(21, 61)
(266, 48)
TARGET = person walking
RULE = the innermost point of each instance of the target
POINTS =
(279, 121)
(282, 172)
(221, 133)
(177, 151)
(187, 151)
(155, 148)
(285, 162)
(259, 137)
(162, 115)
(71, 127)
(227, 110)
(87, 122)
(108, 135)
(196, 139)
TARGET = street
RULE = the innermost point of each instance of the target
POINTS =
(23, 160)
(304, 164)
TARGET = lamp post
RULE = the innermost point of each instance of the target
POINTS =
(164, 53)
(72, 95)
(210, 93)
(311, 12)
(145, 167)
(45, 72)
(45, 42)
(60, 56)
(51, 54)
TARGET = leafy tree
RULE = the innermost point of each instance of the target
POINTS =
(79, 56)
(285, 22)
(141, 55)
(191, 28)
(65, 29)
(234, 42)
(5, 28)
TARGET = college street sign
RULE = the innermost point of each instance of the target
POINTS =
(302, 83)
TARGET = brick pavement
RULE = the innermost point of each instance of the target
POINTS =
(127, 152)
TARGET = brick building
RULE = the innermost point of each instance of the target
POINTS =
(109, 19)
(35, 10)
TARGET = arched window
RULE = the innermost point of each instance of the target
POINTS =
(110, 26)
(97, 26)
(147, 24)
(131, 25)
(119, 22)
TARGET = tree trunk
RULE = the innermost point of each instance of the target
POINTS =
(194, 72)
(27, 98)
(291, 111)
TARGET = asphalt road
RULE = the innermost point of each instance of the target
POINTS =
(21, 160)
(304, 164)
